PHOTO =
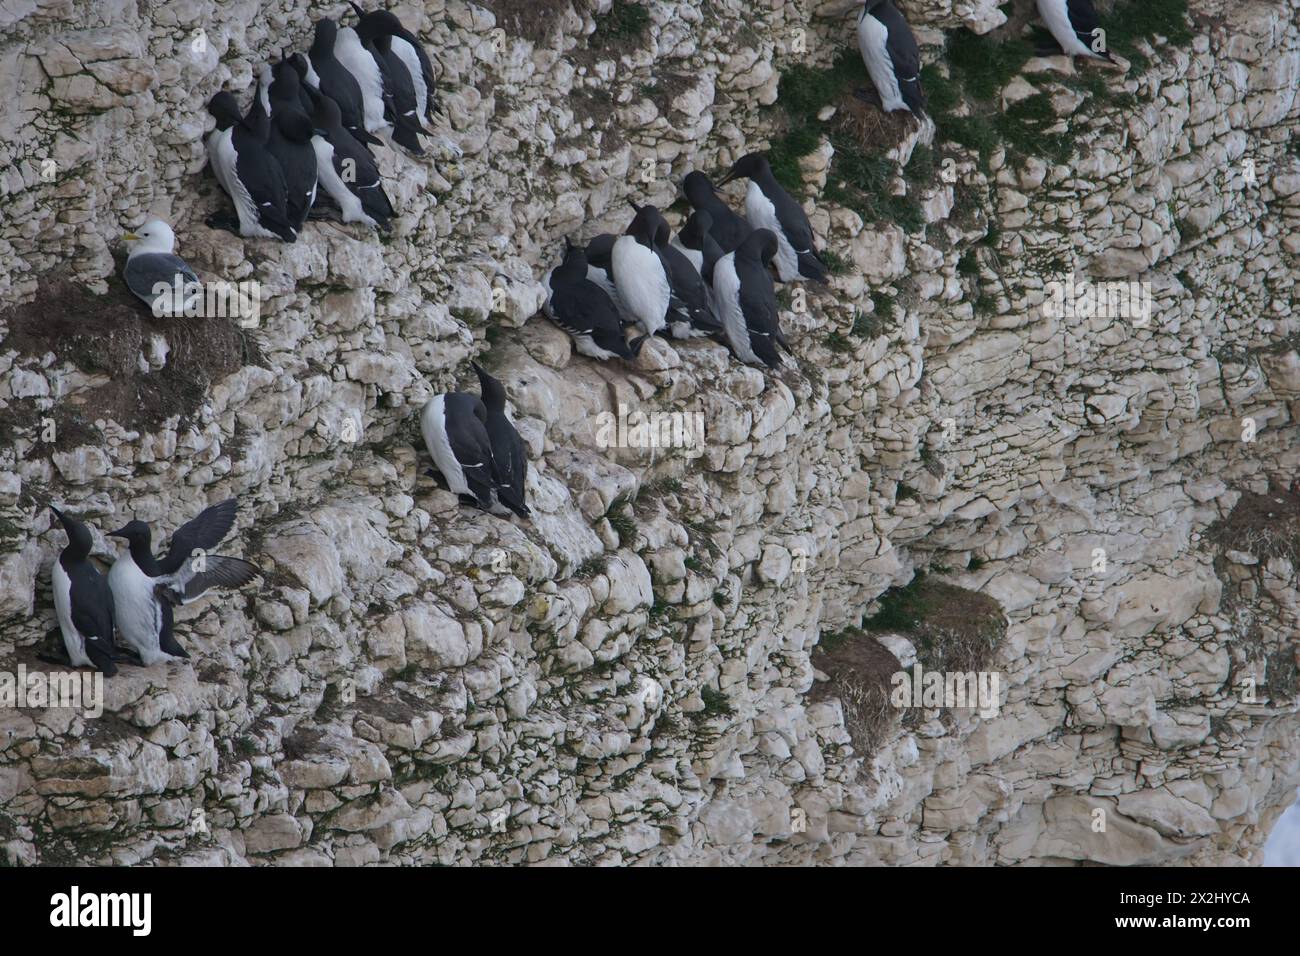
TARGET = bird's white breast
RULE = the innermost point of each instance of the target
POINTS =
(760, 211)
(335, 188)
(224, 165)
(872, 39)
(411, 60)
(641, 282)
(433, 425)
(359, 62)
(135, 609)
(221, 153)
(726, 296)
(73, 640)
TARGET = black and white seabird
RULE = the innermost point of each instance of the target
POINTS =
(690, 307)
(308, 79)
(746, 299)
(1073, 24)
(584, 308)
(405, 92)
(247, 171)
(359, 58)
(688, 240)
(769, 206)
(600, 270)
(336, 81)
(728, 229)
(158, 277)
(455, 432)
(400, 90)
(639, 273)
(290, 138)
(696, 241)
(508, 448)
(83, 601)
(347, 171)
(145, 588)
(892, 58)
(410, 51)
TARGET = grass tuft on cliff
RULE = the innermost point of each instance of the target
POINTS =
(861, 177)
(1138, 20)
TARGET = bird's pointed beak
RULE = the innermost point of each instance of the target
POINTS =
(119, 533)
(632, 203)
(57, 513)
(727, 178)
(129, 237)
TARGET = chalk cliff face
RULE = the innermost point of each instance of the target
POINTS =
(664, 666)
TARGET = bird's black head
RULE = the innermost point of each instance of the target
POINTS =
(753, 166)
(326, 113)
(326, 31)
(697, 227)
(647, 225)
(294, 125)
(225, 109)
(286, 80)
(79, 539)
(494, 393)
(377, 23)
(600, 250)
(299, 63)
(574, 266)
(135, 532)
(697, 188)
(760, 244)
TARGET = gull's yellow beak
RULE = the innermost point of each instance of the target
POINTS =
(130, 237)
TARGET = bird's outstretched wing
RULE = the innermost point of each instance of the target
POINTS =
(202, 533)
(219, 571)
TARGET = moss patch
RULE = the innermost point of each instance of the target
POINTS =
(1138, 20)
(954, 629)
(986, 65)
(861, 176)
